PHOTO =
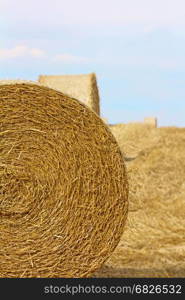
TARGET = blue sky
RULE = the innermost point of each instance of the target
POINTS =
(136, 48)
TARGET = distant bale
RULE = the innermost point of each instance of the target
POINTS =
(151, 121)
(64, 190)
(81, 87)
(105, 120)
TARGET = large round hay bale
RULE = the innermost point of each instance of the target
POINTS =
(63, 185)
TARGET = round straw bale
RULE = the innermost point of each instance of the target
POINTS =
(63, 185)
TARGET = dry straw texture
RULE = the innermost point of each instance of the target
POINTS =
(81, 87)
(153, 243)
(63, 185)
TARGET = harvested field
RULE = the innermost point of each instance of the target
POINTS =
(153, 243)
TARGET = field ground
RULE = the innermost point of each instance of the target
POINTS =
(153, 242)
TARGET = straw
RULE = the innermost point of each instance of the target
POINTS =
(82, 87)
(63, 185)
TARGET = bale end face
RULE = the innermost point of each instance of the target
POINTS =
(64, 189)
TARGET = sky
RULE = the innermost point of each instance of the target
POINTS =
(136, 48)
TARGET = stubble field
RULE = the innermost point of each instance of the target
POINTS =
(153, 243)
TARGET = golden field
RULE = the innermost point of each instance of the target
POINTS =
(153, 243)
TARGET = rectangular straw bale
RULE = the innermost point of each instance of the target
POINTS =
(152, 121)
(82, 87)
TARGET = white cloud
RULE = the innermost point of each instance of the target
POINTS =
(20, 51)
(68, 58)
(35, 52)
(12, 53)
(25, 51)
